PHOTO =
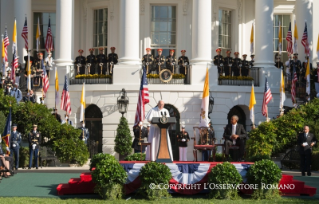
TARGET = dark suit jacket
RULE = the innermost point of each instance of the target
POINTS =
(239, 131)
(301, 139)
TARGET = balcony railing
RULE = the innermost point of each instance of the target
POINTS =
(241, 80)
(88, 78)
(176, 78)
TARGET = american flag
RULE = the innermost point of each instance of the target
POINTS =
(304, 40)
(143, 99)
(14, 66)
(49, 39)
(266, 100)
(65, 98)
(293, 86)
(6, 44)
(289, 41)
(24, 34)
(45, 79)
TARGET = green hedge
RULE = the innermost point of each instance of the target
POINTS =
(314, 161)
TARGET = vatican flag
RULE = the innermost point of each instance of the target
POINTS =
(282, 91)
(56, 87)
(308, 78)
(252, 39)
(295, 38)
(82, 103)
(37, 36)
(205, 102)
(279, 39)
(29, 74)
(252, 102)
(318, 48)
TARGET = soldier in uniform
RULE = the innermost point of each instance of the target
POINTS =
(228, 61)
(84, 133)
(236, 68)
(171, 61)
(101, 60)
(49, 62)
(80, 63)
(39, 66)
(252, 61)
(15, 139)
(183, 139)
(147, 60)
(91, 61)
(160, 60)
(219, 61)
(278, 62)
(245, 66)
(34, 145)
(183, 62)
(140, 132)
(112, 59)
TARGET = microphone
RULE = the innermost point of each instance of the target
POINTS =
(161, 113)
(165, 113)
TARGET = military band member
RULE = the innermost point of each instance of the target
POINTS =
(252, 61)
(304, 69)
(183, 139)
(15, 140)
(140, 133)
(160, 60)
(80, 63)
(101, 62)
(84, 133)
(112, 59)
(245, 66)
(148, 60)
(183, 62)
(278, 62)
(26, 61)
(228, 61)
(236, 68)
(91, 61)
(171, 61)
(219, 61)
(34, 145)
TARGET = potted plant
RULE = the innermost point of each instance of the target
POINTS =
(123, 139)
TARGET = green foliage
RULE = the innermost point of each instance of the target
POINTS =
(123, 139)
(264, 172)
(108, 175)
(155, 173)
(23, 157)
(3, 120)
(281, 133)
(135, 157)
(5, 103)
(224, 173)
(258, 157)
(314, 161)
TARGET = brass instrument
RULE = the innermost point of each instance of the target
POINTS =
(107, 69)
(101, 65)
(89, 67)
(147, 63)
(159, 67)
(173, 64)
(111, 66)
(185, 67)
(78, 67)
(240, 69)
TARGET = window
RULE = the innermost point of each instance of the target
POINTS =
(224, 30)
(44, 22)
(163, 28)
(284, 21)
(100, 30)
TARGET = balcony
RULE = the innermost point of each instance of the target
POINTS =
(253, 75)
(88, 78)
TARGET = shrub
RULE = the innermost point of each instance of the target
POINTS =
(224, 173)
(109, 176)
(314, 161)
(264, 172)
(135, 157)
(23, 157)
(155, 173)
(258, 157)
(123, 139)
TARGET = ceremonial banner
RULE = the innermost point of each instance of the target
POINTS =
(279, 39)
(56, 87)
(205, 102)
(252, 102)
(295, 38)
(282, 91)
(308, 78)
(252, 39)
(37, 36)
(82, 102)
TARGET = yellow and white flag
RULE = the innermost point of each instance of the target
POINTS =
(29, 74)
(308, 78)
(3, 55)
(318, 47)
(280, 39)
(57, 98)
(14, 38)
(295, 38)
(282, 91)
(38, 33)
(205, 102)
(252, 102)
(82, 103)
(252, 39)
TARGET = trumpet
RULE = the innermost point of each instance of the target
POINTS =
(78, 67)
(89, 67)
(101, 65)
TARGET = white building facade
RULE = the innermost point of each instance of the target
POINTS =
(197, 26)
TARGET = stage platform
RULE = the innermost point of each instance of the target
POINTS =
(188, 178)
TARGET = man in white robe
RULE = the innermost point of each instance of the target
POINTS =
(154, 133)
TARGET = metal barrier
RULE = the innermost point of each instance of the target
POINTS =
(253, 75)
(87, 78)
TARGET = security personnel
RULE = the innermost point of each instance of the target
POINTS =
(183, 139)
(160, 60)
(84, 133)
(80, 63)
(245, 66)
(15, 140)
(219, 61)
(34, 145)
(148, 60)
(139, 130)
(101, 62)
(91, 61)
(183, 63)
(112, 59)
(228, 61)
(171, 61)
(236, 66)
(278, 62)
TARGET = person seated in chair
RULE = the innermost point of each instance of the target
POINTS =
(6, 161)
(235, 134)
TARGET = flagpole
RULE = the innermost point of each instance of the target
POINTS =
(29, 77)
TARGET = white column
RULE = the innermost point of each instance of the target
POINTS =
(264, 33)
(129, 32)
(303, 14)
(201, 31)
(64, 28)
(22, 9)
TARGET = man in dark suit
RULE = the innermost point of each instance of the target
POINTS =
(235, 134)
(305, 142)
(144, 134)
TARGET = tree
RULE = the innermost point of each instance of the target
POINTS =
(123, 139)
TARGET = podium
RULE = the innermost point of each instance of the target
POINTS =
(163, 151)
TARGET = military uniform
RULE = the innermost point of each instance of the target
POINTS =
(144, 134)
(218, 61)
(101, 58)
(39, 65)
(80, 60)
(148, 60)
(227, 68)
(34, 146)
(171, 62)
(183, 138)
(181, 62)
(91, 59)
(160, 59)
(211, 137)
(84, 134)
(112, 59)
(245, 68)
(15, 140)
(236, 66)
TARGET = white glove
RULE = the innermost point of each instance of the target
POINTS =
(234, 142)
(8, 149)
(83, 139)
(183, 140)
(33, 146)
(14, 145)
